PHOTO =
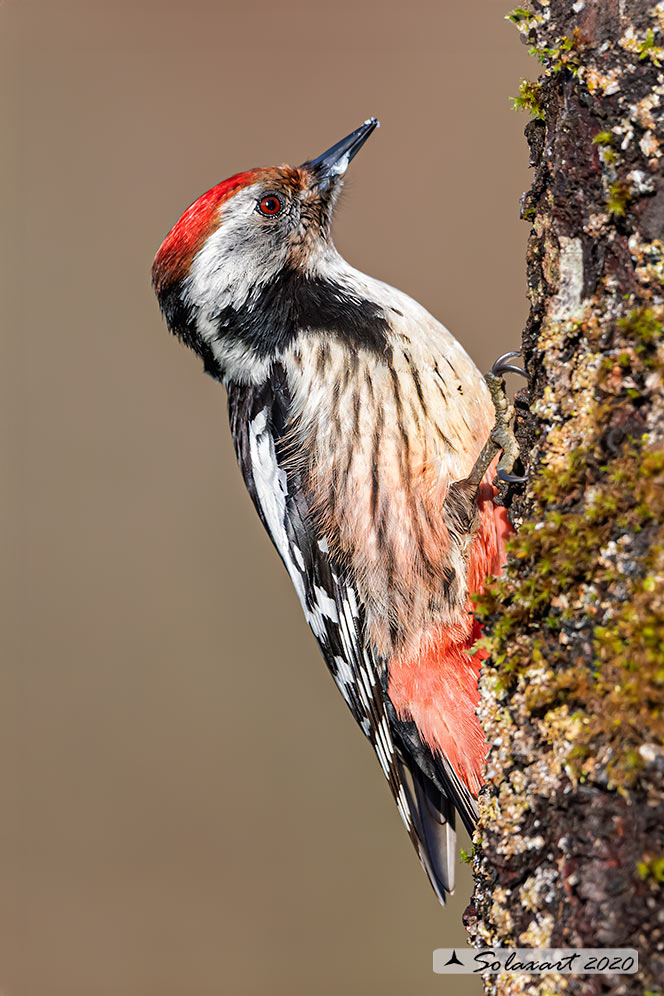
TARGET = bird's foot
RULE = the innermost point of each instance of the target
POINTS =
(503, 431)
(502, 435)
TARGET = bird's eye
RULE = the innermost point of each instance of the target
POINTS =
(269, 205)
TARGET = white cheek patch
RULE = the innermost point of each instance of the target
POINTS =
(225, 274)
(232, 264)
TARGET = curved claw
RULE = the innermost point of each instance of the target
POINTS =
(510, 478)
(501, 365)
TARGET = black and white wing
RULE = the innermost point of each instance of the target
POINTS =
(425, 794)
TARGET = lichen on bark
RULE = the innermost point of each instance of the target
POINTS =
(569, 849)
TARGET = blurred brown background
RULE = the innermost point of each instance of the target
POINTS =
(187, 806)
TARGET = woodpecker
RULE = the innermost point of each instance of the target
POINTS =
(363, 431)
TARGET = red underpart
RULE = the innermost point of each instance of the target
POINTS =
(438, 689)
(176, 252)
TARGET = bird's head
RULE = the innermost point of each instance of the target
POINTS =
(241, 271)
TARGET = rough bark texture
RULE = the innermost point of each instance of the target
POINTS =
(570, 846)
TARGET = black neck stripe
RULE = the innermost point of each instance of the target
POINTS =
(291, 303)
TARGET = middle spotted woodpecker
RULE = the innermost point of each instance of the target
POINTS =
(359, 424)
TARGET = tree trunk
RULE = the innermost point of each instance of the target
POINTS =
(569, 850)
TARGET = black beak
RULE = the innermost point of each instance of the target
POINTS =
(335, 161)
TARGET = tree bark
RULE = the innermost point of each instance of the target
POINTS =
(569, 850)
